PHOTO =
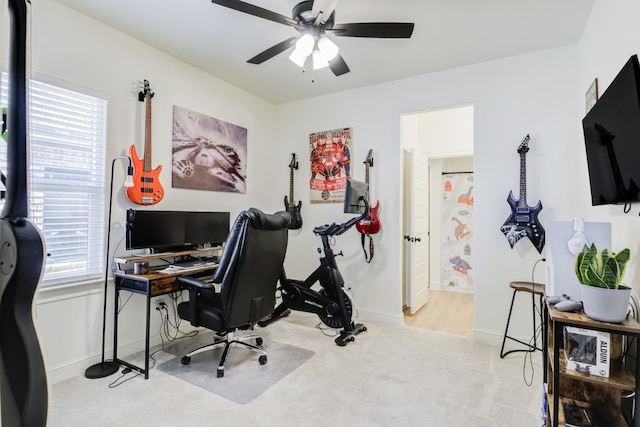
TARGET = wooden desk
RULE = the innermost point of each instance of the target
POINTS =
(151, 285)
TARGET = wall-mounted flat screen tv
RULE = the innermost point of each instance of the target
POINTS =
(612, 139)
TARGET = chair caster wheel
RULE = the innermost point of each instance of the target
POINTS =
(220, 373)
(186, 360)
(262, 359)
(258, 341)
(364, 329)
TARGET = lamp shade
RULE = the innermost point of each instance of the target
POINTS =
(318, 60)
(328, 48)
(297, 58)
(305, 44)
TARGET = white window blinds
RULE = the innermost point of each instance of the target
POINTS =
(67, 141)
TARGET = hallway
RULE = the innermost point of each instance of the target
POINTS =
(446, 311)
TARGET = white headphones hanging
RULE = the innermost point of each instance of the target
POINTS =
(578, 240)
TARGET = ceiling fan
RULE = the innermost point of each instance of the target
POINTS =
(314, 19)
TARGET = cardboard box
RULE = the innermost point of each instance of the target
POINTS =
(587, 351)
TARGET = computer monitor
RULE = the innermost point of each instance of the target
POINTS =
(155, 230)
(206, 228)
(162, 231)
(356, 192)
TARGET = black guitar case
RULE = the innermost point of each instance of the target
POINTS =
(23, 378)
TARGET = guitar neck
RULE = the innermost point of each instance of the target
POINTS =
(523, 181)
(366, 180)
(147, 136)
(291, 185)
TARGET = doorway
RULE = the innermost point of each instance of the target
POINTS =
(445, 138)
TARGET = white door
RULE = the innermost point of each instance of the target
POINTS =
(416, 232)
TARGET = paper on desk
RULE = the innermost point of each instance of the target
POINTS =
(171, 269)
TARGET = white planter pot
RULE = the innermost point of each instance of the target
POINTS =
(606, 305)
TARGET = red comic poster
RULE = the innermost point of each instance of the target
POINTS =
(330, 160)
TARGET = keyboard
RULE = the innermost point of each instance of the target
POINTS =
(193, 265)
(188, 266)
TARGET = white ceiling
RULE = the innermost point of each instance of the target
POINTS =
(447, 34)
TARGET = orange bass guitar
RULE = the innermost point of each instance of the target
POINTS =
(146, 189)
(370, 224)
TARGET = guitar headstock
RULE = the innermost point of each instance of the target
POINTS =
(145, 93)
(524, 145)
(369, 160)
(294, 163)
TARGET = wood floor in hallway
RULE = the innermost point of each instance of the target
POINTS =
(446, 311)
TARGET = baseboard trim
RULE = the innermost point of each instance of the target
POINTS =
(76, 368)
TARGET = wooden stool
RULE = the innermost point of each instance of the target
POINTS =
(534, 289)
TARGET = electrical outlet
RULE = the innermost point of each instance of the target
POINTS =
(159, 305)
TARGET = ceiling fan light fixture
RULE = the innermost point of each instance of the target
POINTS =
(319, 60)
(305, 44)
(297, 58)
(328, 48)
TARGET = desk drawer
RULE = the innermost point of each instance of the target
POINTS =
(163, 286)
(157, 286)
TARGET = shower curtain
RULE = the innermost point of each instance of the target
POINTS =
(457, 232)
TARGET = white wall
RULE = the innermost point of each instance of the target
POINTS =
(512, 97)
(540, 94)
(75, 51)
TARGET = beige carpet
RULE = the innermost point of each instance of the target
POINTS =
(390, 376)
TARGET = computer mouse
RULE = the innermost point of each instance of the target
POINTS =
(568, 305)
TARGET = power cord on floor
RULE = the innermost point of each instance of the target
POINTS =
(537, 333)
(119, 381)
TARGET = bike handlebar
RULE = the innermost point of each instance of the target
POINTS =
(334, 229)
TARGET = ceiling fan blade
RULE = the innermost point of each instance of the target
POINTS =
(383, 30)
(258, 11)
(273, 51)
(338, 66)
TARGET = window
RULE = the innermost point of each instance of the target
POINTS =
(67, 137)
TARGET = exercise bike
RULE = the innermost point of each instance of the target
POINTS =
(332, 303)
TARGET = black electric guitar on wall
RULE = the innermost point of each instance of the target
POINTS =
(23, 377)
(289, 203)
(523, 220)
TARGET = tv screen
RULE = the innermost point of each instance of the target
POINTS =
(612, 139)
(353, 195)
(174, 230)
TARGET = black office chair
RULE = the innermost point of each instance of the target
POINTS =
(248, 273)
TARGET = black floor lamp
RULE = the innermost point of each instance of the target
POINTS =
(108, 367)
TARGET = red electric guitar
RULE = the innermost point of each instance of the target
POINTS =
(146, 189)
(370, 224)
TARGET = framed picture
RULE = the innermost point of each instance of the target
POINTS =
(208, 153)
(591, 97)
(330, 158)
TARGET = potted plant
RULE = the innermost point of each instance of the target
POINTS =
(604, 298)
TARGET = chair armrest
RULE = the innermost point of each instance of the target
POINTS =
(195, 287)
(195, 283)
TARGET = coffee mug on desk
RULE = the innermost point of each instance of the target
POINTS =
(141, 267)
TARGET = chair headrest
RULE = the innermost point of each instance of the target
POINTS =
(263, 221)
